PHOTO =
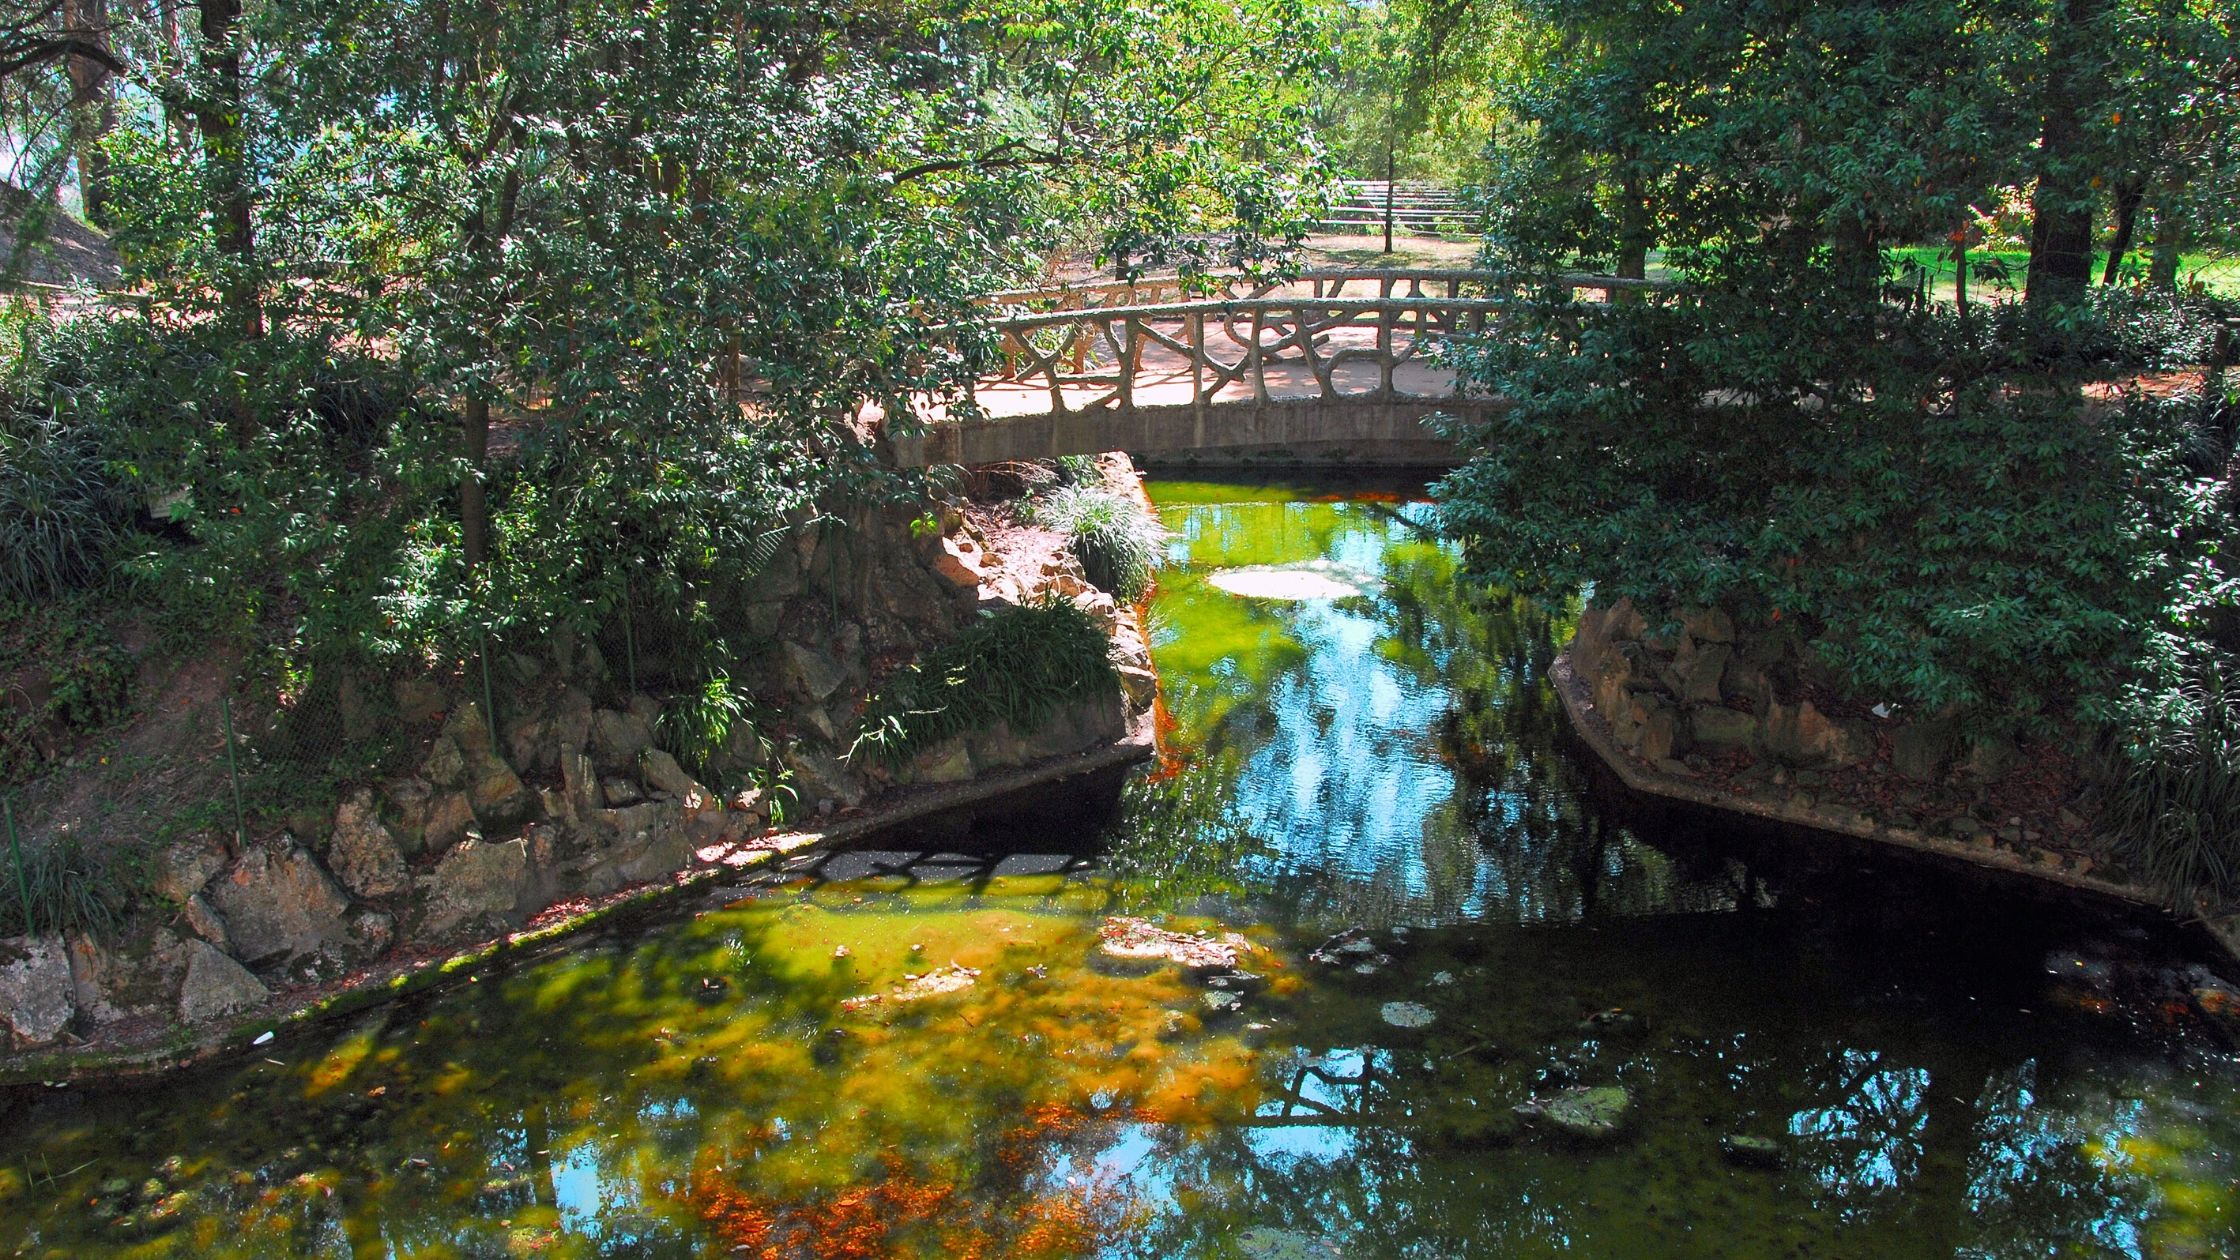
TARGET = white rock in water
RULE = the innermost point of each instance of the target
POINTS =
(1441, 979)
(1317, 579)
(1262, 1242)
(1408, 1014)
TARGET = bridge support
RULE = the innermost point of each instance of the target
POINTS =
(1366, 431)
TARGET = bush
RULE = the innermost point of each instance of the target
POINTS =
(2175, 806)
(1116, 539)
(1019, 666)
(1953, 534)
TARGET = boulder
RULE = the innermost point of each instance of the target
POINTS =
(1918, 749)
(580, 783)
(410, 801)
(1648, 724)
(1802, 735)
(450, 817)
(476, 883)
(279, 903)
(617, 738)
(809, 672)
(420, 699)
(947, 762)
(571, 720)
(204, 921)
(1698, 671)
(216, 986)
(37, 999)
(1707, 625)
(181, 870)
(1722, 727)
(820, 776)
(497, 796)
(1141, 684)
(1990, 758)
(663, 774)
(138, 975)
(958, 562)
(362, 853)
(446, 766)
(373, 931)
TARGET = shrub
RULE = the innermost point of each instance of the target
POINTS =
(2175, 806)
(1116, 539)
(1019, 666)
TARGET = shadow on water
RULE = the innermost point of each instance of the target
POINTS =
(919, 1047)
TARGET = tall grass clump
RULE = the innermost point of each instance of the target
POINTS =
(1018, 666)
(64, 887)
(61, 513)
(1117, 540)
(2175, 806)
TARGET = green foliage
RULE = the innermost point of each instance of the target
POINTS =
(71, 889)
(1019, 666)
(1117, 540)
(699, 726)
(82, 677)
(2175, 806)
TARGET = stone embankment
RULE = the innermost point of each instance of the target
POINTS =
(568, 801)
(1725, 717)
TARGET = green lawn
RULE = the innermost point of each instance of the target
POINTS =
(2222, 275)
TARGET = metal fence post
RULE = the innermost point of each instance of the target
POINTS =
(233, 772)
(629, 633)
(489, 706)
(15, 856)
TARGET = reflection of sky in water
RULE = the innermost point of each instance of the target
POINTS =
(589, 1089)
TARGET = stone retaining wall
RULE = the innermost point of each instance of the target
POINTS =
(568, 799)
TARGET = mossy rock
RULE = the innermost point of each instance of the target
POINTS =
(1596, 1113)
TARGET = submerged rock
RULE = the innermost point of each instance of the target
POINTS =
(1408, 1015)
(1745, 1151)
(1265, 1242)
(1597, 1113)
(949, 979)
(1138, 940)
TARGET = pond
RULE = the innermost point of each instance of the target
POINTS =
(1454, 996)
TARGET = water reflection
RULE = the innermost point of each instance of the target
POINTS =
(777, 1078)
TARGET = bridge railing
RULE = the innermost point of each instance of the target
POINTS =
(1088, 347)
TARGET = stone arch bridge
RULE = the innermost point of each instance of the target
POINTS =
(1327, 367)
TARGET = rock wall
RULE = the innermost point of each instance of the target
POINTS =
(1708, 688)
(567, 797)
(1744, 712)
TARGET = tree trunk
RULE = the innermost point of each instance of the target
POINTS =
(1633, 227)
(2169, 237)
(226, 159)
(2129, 194)
(2061, 205)
(93, 106)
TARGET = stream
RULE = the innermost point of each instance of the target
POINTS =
(1460, 997)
